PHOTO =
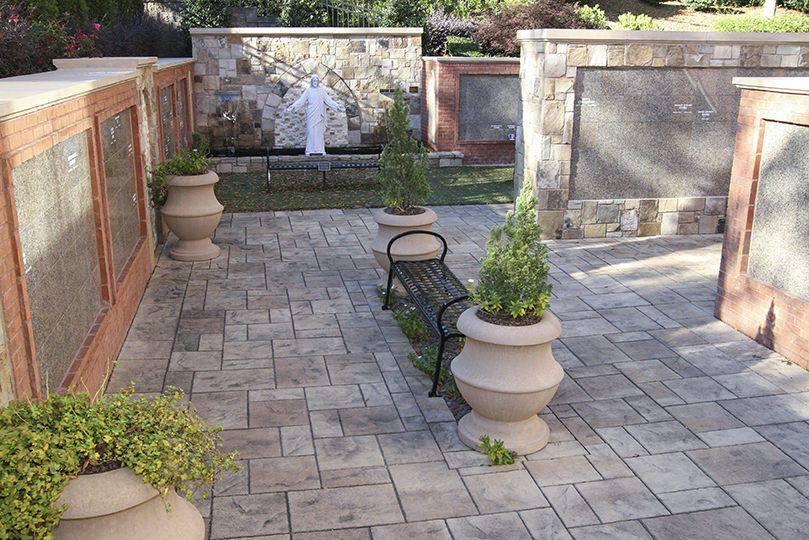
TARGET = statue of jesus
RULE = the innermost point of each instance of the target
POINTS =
(316, 99)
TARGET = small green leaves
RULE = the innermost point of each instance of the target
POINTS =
(45, 444)
(497, 451)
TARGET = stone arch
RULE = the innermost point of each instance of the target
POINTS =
(343, 129)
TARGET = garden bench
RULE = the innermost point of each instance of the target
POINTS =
(437, 293)
(320, 166)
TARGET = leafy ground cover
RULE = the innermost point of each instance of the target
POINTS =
(673, 15)
(302, 190)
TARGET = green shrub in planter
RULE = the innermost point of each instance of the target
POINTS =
(513, 288)
(45, 444)
(403, 163)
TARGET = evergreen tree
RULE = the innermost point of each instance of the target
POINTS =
(403, 163)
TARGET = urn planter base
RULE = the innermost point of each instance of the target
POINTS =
(194, 250)
(507, 374)
(524, 437)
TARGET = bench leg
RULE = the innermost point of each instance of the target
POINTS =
(386, 303)
(438, 362)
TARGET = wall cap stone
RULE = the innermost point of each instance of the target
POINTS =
(471, 60)
(127, 63)
(784, 85)
(171, 63)
(298, 32)
(28, 93)
(616, 36)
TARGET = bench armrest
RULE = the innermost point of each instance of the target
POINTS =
(408, 233)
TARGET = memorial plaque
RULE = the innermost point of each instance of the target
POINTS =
(656, 132)
(57, 226)
(488, 107)
(779, 251)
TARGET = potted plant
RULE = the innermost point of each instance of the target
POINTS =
(182, 189)
(402, 172)
(105, 468)
(506, 371)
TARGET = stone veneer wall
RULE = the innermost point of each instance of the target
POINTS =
(245, 78)
(550, 60)
(754, 306)
(440, 114)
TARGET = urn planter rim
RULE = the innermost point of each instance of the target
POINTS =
(178, 180)
(104, 493)
(546, 330)
(426, 217)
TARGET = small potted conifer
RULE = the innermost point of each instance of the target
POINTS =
(402, 172)
(506, 371)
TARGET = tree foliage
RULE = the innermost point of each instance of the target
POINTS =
(403, 163)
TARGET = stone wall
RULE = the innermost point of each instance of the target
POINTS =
(245, 79)
(763, 287)
(645, 117)
(444, 108)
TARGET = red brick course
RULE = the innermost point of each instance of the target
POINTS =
(447, 85)
(768, 315)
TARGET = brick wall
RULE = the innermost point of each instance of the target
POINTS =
(440, 81)
(73, 101)
(759, 310)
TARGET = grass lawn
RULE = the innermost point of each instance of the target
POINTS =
(301, 190)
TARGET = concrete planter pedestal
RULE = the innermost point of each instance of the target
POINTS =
(507, 374)
(192, 213)
(412, 248)
(119, 505)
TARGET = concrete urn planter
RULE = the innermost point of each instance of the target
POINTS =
(507, 374)
(412, 248)
(119, 505)
(192, 213)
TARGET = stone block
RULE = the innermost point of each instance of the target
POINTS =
(629, 220)
(715, 206)
(648, 210)
(687, 217)
(669, 223)
(555, 65)
(688, 228)
(551, 222)
(649, 229)
(607, 213)
(707, 224)
(553, 116)
(589, 212)
(691, 204)
(639, 54)
(595, 231)
(597, 55)
(668, 205)
(577, 55)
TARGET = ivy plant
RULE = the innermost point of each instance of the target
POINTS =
(513, 288)
(184, 163)
(45, 444)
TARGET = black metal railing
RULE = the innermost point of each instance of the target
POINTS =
(348, 15)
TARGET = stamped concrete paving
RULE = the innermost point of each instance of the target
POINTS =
(669, 424)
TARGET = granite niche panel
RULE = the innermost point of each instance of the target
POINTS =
(645, 133)
(54, 200)
(779, 252)
(122, 188)
(488, 107)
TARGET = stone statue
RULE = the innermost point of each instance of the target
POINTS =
(316, 100)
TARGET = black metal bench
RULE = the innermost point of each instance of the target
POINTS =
(436, 292)
(321, 166)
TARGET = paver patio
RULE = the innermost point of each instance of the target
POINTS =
(668, 425)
